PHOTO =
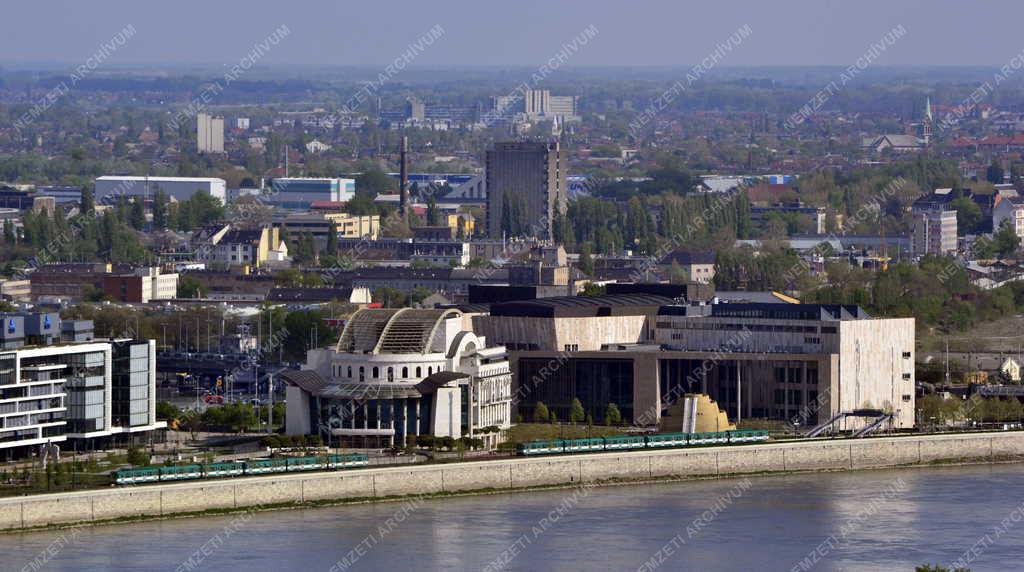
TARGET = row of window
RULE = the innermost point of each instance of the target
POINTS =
(375, 372)
(748, 327)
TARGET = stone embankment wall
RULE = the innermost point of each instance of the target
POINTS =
(155, 501)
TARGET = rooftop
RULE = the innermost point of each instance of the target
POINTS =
(583, 306)
(389, 331)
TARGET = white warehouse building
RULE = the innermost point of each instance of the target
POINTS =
(108, 188)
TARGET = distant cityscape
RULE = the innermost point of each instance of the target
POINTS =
(441, 281)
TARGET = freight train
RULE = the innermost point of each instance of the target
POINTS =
(238, 469)
(634, 442)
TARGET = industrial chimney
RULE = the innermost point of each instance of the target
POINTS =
(403, 188)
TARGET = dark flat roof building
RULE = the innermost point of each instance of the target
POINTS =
(526, 188)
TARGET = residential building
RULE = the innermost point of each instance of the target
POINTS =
(526, 188)
(935, 230)
(108, 188)
(124, 283)
(1011, 369)
(91, 393)
(209, 133)
(1009, 210)
(396, 374)
(695, 266)
(899, 143)
(318, 225)
(229, 246)
(141, 286)
(16, 290)
(359, 296)
(537, 104)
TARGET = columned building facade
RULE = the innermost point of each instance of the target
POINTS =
(402, 373)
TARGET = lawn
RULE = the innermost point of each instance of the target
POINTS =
(533, 431)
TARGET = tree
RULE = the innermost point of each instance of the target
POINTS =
(968, 215)
(137, 217)
(9, 236)
(994, 172)
(160, 210)
(332, 239)
(374, 181)
(390, 297)
(576, 413)
(88, 201)
(586, 263)
(612, 415)
(167, 411)
(1005, 240)
(137, 457)
(540, 413)
(190, 287)
(433, 213)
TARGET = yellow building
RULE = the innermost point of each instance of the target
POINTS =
(355, 226)
(464, 222)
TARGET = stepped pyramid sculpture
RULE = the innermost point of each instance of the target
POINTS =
(695, 413)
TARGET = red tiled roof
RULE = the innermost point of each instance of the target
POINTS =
(327, 205)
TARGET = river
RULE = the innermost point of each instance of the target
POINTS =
(872, 520)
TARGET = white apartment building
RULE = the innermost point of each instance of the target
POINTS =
(209, 133)
(1009, 210)
(76, 391)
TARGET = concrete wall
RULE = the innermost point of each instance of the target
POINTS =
(508, 474)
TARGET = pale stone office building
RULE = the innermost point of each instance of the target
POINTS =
(802, 363)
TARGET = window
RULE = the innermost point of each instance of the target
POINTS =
(419, 372)
(391, 374)
(376, 372)
(350, 372)
(362, 373)
(430, 371)
(405, 373)
(906, 355)
(906, 397)
(906, 376)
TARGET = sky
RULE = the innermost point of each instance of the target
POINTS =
(515, 33)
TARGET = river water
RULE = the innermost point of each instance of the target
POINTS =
(873, 520)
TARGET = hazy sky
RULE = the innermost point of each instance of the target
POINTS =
(515, 32)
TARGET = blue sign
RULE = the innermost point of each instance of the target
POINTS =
(11, 326)
(46, 322)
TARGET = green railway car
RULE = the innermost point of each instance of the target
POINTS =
(717, 438)
(582, 445)
(623, 442)
(748, 436)
(306, 464)
(136, 476)
(216, 470)
(668, 440)
(180, 473)
(347, 461)
(541, 447)
(266, 466)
